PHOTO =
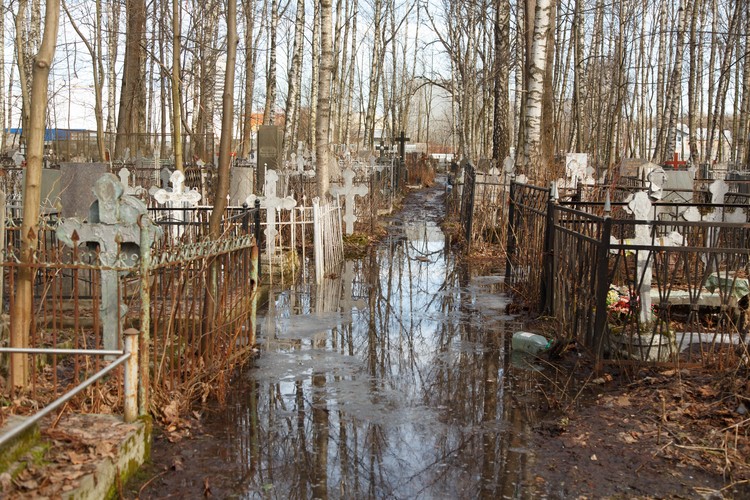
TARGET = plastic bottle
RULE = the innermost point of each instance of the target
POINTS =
(529, 342)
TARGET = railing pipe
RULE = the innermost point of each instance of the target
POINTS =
(30, 421)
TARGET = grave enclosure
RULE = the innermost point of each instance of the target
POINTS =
(102, 268)
(640, 279)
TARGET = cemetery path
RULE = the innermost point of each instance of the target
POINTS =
(394, 380)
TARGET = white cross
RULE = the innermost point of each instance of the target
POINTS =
(640, 206)
(271, 203)
(178, 195)
(349, 191)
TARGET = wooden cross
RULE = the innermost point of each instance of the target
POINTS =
(349, 191)
(401, 139)
(675, 162)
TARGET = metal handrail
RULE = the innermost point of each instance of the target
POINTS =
(124, 356)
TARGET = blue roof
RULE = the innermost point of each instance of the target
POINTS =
(51, 134)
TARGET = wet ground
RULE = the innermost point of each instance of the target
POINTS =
(393, 380)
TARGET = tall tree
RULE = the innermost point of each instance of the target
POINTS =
(322, 149)
(21, 325)
(501, 135)
(533, 160)
(269, 112)
(95, 52)
(294, 78)
(177, 84)
(131, 117)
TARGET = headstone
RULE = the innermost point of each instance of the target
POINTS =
(75, 191)
(348, 190)
(271, 202)
(269, 151)
(113, 226)
(241, 183)
(49, 190)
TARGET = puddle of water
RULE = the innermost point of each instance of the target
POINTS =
(389, 381)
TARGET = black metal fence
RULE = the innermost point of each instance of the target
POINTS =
(680, 294)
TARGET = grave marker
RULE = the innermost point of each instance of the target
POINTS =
(349, 191)
(271, 202)
(113, 227)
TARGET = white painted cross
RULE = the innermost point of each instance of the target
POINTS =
(349, 191)
(641, 208)
(178, 196)
(271, 202)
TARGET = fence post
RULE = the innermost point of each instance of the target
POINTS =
(131, 375)
(317, 241)
(548, 254)
(510, 248)
(257, 232)
(144, 381)
(602, 288)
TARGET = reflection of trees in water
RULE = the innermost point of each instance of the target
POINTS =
(426, 413)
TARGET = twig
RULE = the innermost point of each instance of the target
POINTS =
(140, 490)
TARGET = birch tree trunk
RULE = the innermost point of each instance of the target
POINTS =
(500, 134)
(269, 112)
(294, 78)
(533, 160)
(315, 77)
(22, 306)
(23, 73)
(177, 85)
(113, 29)
(723, 85)
(3, 125)
(743, 141)
(694, 70)
(352, 71)
(251, 58)
(324, 99)
(378, 52)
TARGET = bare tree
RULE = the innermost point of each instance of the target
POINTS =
(131, 117)
(324, 98)
(95, 51)
(21, 325)
(533, 159)
(501, 135)
(269, 113)
(294, 78)
(176, 75)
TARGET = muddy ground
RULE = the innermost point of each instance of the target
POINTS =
(644, 433)
(626, 432)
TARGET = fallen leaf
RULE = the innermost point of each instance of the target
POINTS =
(707, 391)
(76, 458)
(177, 463)
(171, 412)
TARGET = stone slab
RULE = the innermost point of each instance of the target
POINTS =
(77, 179)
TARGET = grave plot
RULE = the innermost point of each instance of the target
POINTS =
(643, 279)
(96, 278)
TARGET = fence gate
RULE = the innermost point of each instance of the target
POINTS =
(327, 236)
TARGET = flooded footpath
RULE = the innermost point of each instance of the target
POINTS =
(391, 380)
